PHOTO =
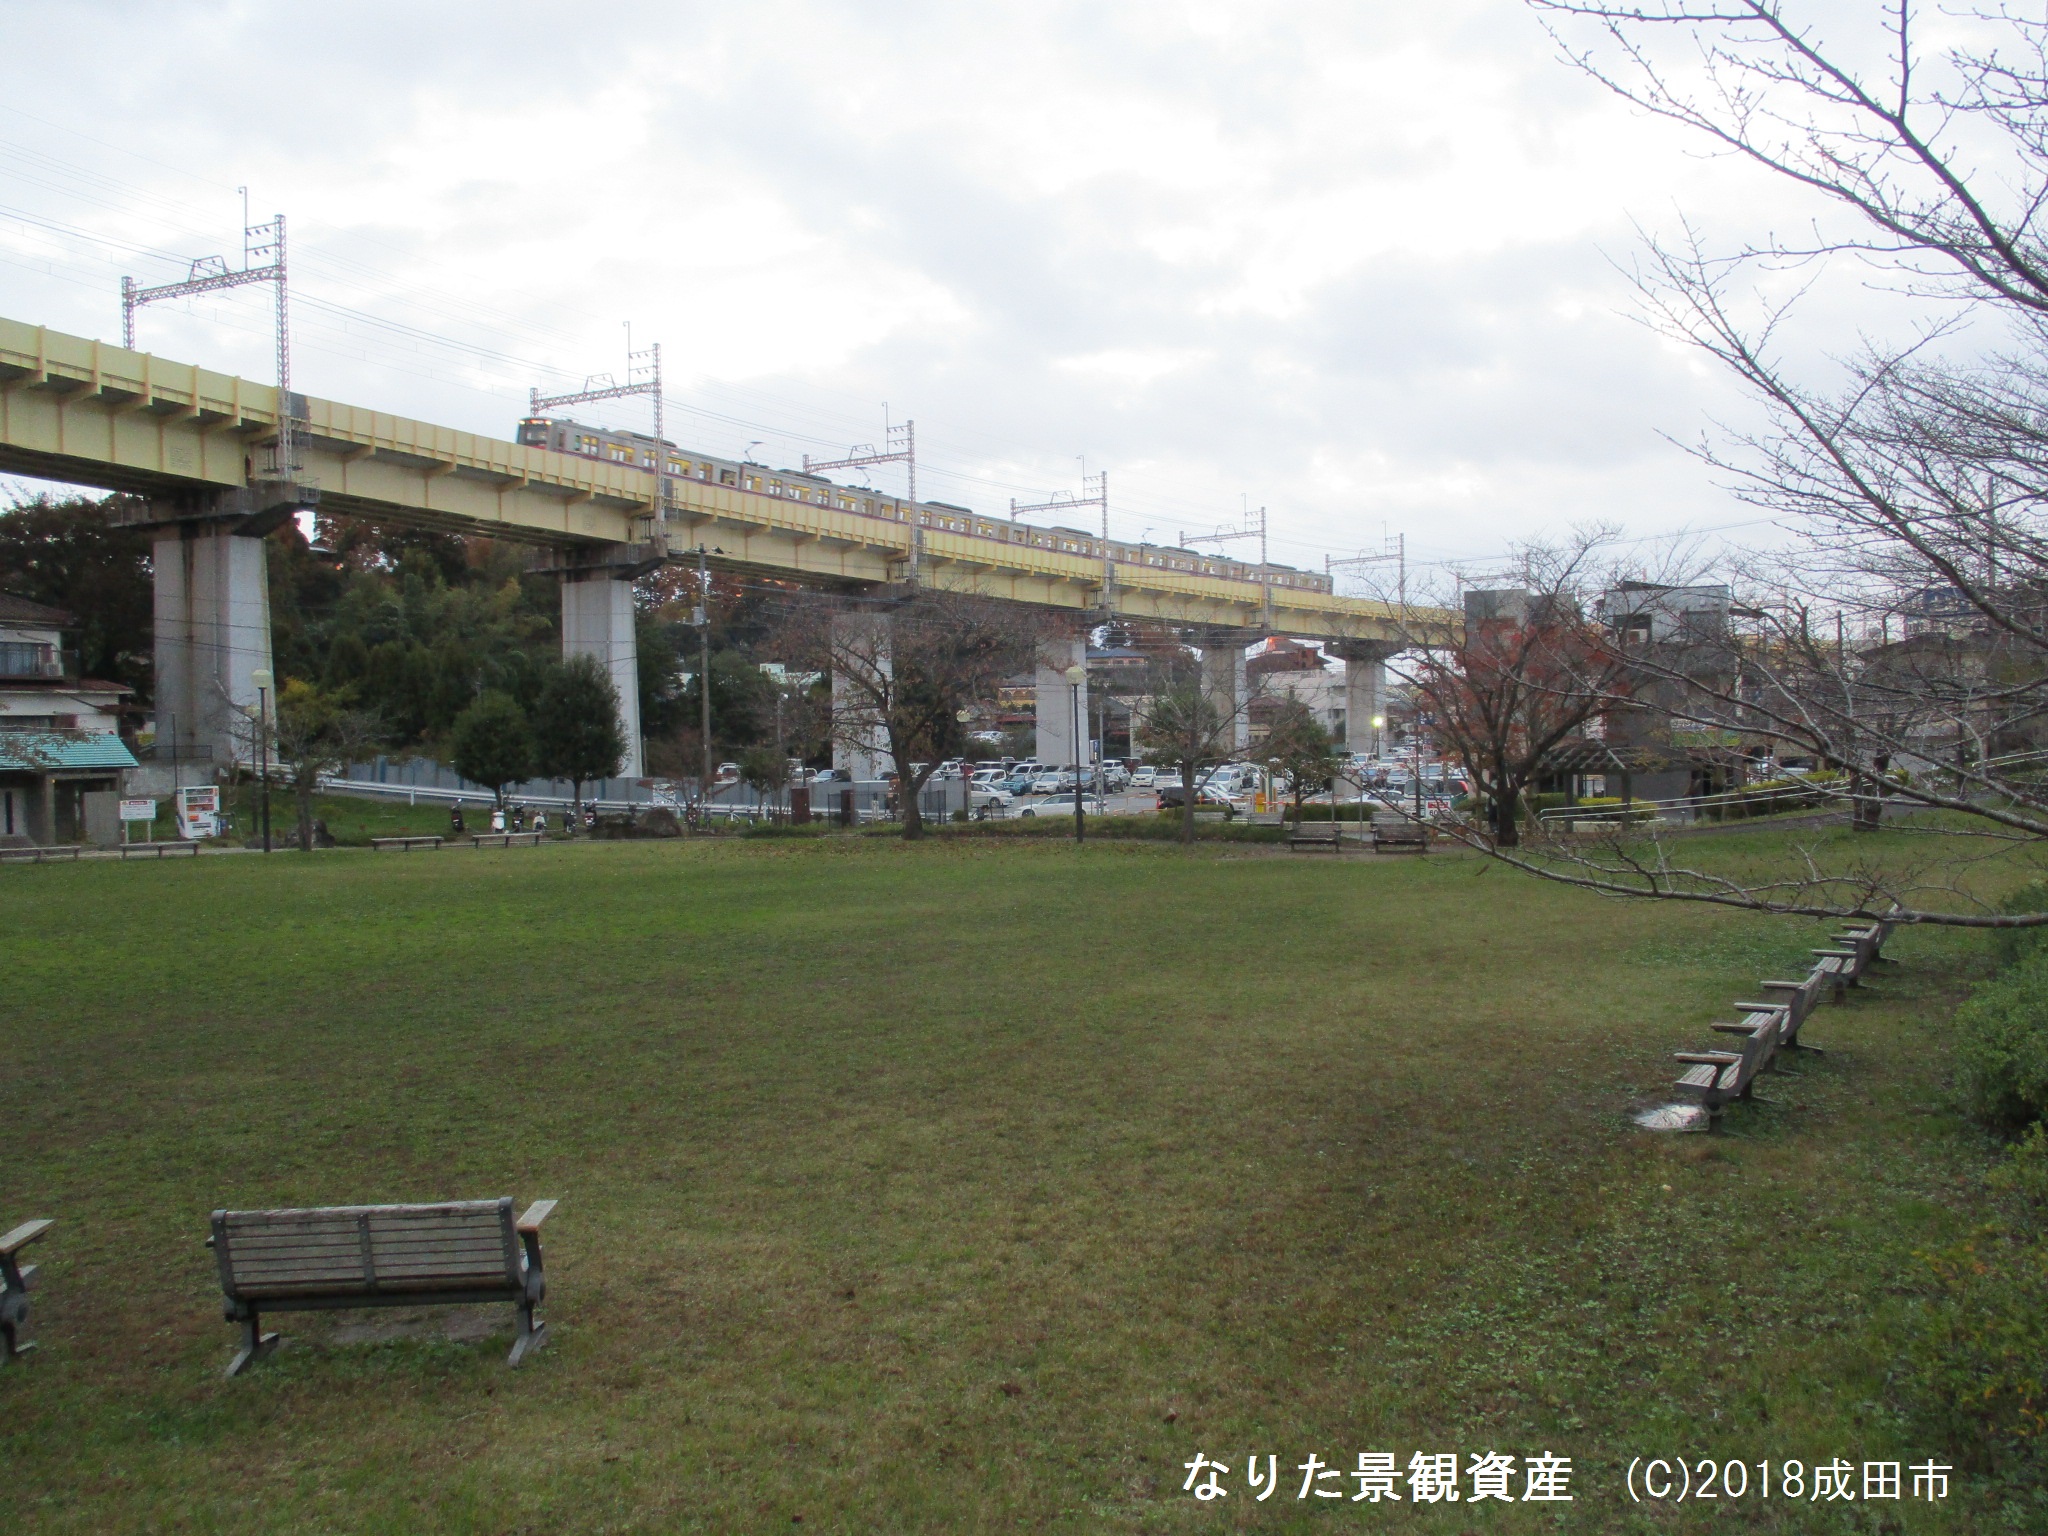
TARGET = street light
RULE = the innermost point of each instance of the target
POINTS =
(1077, 675)
(966, 782)
(262, 679)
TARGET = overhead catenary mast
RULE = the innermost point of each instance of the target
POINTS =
(643, 377)
(210, 274)
(1094, 493)
(900, 447)
(1254, 528)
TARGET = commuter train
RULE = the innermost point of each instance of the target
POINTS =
(638, 448)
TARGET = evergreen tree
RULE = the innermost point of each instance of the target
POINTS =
(71, 554)
(577, 735)
(493, 744)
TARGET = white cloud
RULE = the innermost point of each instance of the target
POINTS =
(1349, 260)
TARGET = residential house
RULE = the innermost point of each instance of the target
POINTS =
(61, 754)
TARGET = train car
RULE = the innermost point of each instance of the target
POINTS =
(614, 446)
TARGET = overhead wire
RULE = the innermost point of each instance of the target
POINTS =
(1148, 507)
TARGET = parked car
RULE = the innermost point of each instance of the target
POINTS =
(1144, 778)
(1049, 783)
(1171, 797)
(1063, 805)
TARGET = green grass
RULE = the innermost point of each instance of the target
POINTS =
(973, 1186)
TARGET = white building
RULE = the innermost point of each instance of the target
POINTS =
(61, 754)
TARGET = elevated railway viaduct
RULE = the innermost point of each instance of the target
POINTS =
(198, 448)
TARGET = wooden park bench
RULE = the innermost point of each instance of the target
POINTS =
(504, 839)
(32, 855)
(343, 1256)
(16, 1281)
(1798, 999)
(1716, 1078)
(158, 850)
(404, 844)
(1398, 834)
(1328, 835)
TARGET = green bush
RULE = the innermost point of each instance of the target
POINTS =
(2009, 946)
(2001, 1047)
(1970, 1374)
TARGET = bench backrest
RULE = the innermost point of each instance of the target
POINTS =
(1800, 996)
(1760, 1044)
(362, 1249)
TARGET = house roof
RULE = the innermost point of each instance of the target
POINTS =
(62, 685)
(41, 751)
(19, 610)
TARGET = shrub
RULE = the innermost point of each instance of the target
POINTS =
(1970, 1374)
(2001, 1042)
(2009, 946)
(1969, 1370)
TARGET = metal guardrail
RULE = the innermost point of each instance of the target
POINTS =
(1659, 810)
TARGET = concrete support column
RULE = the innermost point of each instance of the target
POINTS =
(860, 659)
(1224, 682)
(597, 620)
(1365, 690)
(1056, 739)
(212, 636)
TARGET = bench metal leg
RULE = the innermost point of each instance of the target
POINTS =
(255, 1343)
(532, 1334)
(14, 1339)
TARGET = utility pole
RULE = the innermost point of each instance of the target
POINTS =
(210, 274)
(1094, 493)
(899, 447)
(704, 666)
(643, 377)
(1254, 528)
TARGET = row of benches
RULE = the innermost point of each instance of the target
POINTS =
(30, 854)
(1398, 834)
(1717, 1078)
(334, 1257)
(430, 842)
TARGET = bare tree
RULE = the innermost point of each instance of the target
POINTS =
(1179, 722)
(903, 680)
(1904, 644)
(1530, 669)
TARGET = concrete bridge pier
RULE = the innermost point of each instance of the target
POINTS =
(212, 637)
(1223, 680)
(1056, 738)
(212, 621)
(1365, 689)
(597, 620)
(860, 659)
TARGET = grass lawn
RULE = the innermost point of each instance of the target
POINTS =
(974, 1186)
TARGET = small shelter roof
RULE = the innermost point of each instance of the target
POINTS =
(43, 751)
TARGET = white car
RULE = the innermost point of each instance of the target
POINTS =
(1048, 784)
(1144, 778)
(1063, 805)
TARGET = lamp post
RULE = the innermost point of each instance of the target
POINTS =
(262, 679)
(703, 620)
(1379, 746)
(966, 779)
(1077, 675)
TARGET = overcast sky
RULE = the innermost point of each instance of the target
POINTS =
(1352, 261)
